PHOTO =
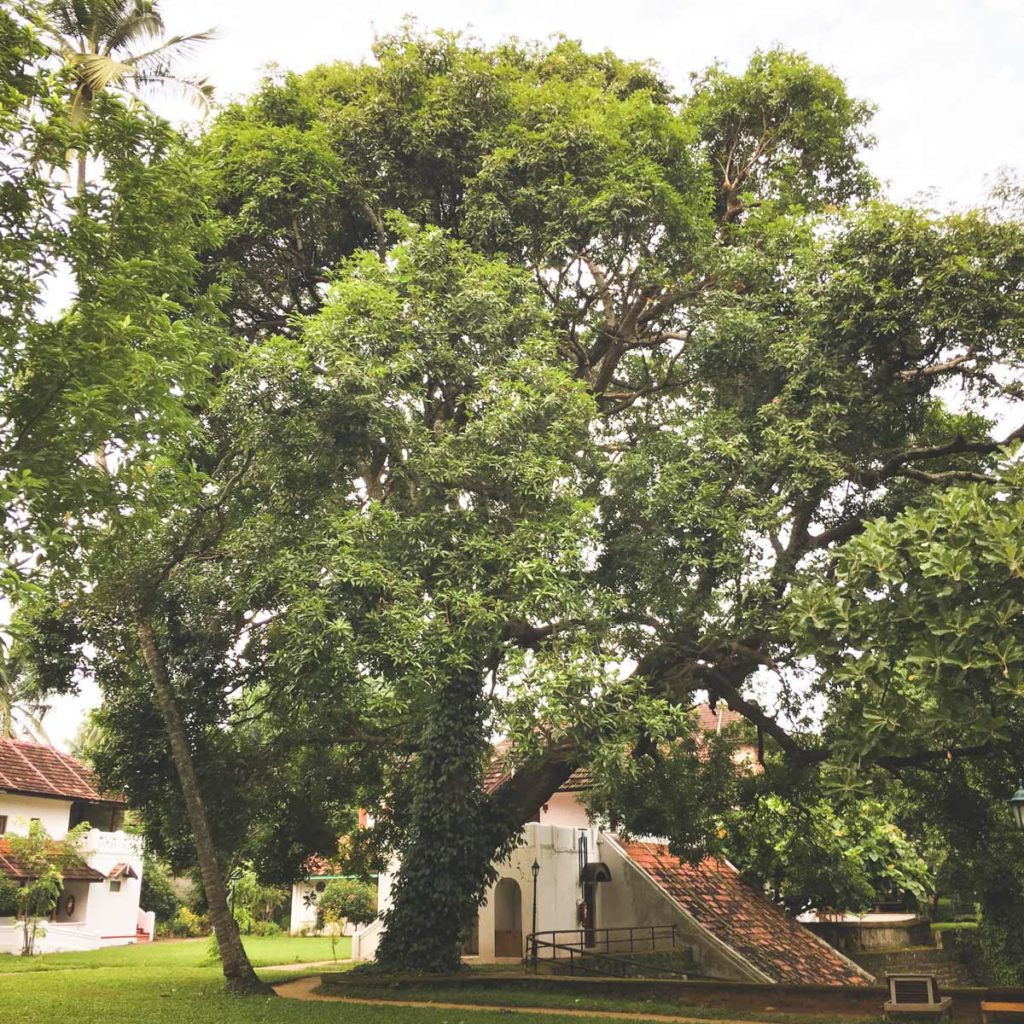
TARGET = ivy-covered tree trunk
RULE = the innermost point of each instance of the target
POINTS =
(238, 973)
(446, 860)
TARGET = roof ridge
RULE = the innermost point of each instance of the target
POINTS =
(41, 769)
(32, 767)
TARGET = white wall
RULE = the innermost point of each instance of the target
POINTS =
(631, 898)
(53, 814)
(564, 809)
(302, 917)
(113, 915)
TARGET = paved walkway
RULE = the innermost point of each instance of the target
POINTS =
(302, 967)
(303, 988)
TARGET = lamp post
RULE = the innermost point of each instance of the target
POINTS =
(535, 870)
(233, 880)
(1017, 805)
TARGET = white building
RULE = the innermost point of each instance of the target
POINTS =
(100, 902)
(598, 893)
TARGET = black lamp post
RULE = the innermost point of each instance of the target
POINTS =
(535, 870)
(1017, 805)
(233, 880)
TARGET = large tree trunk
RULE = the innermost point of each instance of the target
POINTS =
(456, 832)
(238, 972)
(445, 863)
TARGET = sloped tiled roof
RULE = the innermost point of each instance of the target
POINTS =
(496, 774)
(744, 919)
(715, 719)
(14, 868)
(39, 770)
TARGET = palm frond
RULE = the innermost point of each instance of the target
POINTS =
(109, 17)
(69, 17)
(144, 22)
(98, 70)
(171, 50)
(199, 91)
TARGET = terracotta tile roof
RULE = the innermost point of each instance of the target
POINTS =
(39, 770)
(14, 868)
(713, 720)
(741, 917)
(496, 773)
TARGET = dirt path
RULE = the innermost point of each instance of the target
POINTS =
(303, 988)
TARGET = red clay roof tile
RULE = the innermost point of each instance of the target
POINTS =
(713, 893)
(11, 866)
(39, 770)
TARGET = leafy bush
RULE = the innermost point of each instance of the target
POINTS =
(346, 899)
(266, 928)
(254, 902)
(157, 894)
(8, 897)
(187, 925)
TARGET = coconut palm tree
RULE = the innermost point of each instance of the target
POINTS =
(21, 708)
(118, 45)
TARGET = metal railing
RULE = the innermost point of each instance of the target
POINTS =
(603, 951)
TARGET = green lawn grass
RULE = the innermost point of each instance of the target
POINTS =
(263, 951)
(174, 983)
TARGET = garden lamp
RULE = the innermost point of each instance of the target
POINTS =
(535, 871)
(1017, 803)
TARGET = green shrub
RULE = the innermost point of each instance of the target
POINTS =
(187, 925)
(266, 928)
(8, 897)
(346, 899)
(157, 894)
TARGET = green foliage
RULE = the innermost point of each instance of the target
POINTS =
(941, 658)
(764, 348)
(253, 903)
(187, 925)
(784, 132)
(112, 45)
(266, 928)
(347, 899)
(603, 377)
(8, 897)
(157, 894)
(827, 857)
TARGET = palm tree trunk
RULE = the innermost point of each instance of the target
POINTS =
(80, 160)
(238, 972)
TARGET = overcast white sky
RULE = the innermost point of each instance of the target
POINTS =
(947, 75)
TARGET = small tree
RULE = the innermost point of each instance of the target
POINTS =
(45, 860)
(345, 899)
(251, 901)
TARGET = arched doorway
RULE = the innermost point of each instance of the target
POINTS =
(508, 918)
(592, 875)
